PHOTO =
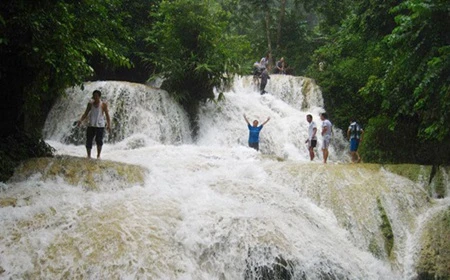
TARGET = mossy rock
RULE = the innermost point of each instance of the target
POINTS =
(434, 260)
(89, 173)
(414, 172)
(439, 184)
(8, 201)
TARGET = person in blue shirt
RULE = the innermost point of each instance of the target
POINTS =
(253, 139)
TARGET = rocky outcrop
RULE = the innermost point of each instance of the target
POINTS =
(434, 256)
(88, 173)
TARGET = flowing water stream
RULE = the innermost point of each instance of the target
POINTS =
(210, 208)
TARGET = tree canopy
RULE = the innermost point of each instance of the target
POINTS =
(389, 66)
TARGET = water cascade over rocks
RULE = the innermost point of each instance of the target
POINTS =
(212, 208)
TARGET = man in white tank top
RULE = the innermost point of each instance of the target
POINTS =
(96, 110)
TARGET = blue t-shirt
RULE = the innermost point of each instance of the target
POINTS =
(254, 133)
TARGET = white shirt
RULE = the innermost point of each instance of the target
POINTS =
(327, 124)
(96, 117)
(264, 62)
(311, 127)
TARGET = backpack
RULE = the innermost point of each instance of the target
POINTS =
(355, 130)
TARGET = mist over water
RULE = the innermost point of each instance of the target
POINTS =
(210, 208)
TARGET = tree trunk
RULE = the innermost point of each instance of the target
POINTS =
(269, 44)
(280, 22)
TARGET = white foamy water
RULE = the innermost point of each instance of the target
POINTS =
(213, 209)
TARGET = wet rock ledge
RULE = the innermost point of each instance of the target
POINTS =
(93, 175)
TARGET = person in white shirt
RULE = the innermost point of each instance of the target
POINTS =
(326, 135)
(312, 138)
(264, 63)
(96, 110)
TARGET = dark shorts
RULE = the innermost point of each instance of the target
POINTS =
(313, 143)
(354, 143)
(263, 85)
(254, 145)
(96, 132)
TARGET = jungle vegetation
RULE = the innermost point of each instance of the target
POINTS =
(385, 63)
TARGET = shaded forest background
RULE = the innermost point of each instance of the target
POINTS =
(385, 63)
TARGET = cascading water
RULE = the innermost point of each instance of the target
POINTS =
(213, 208)
(145, 114)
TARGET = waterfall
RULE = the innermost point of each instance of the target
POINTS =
(212, 208)
(147, 115)
(142, 115)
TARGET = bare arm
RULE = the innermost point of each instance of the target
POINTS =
(108, 119)
(268, 119)
(86, 112)
(245, 117)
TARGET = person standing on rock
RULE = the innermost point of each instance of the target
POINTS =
(96, 111)
(279, 67)
(312, 138)
(326, 135)
(355, 136)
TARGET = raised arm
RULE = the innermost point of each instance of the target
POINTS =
(245, 117)
(268, 119)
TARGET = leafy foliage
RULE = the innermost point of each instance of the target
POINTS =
(260, 22)
(389, 67)
(193, 52)
(386, 63)
(45, 47)
(418, 76)
(51, 43)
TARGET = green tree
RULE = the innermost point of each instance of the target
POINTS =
(283, 28)
(45, 48)
(417, 81)
(135, 18)
(389, 66)
(415, 85)
(331, 13)
(193, 52)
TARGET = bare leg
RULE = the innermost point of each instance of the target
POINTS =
(358, 157)
(88, 153)
(99, 151)
(352, 155)
(311, 153)
(325, 155)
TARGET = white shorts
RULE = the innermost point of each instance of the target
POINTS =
(326, 142)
